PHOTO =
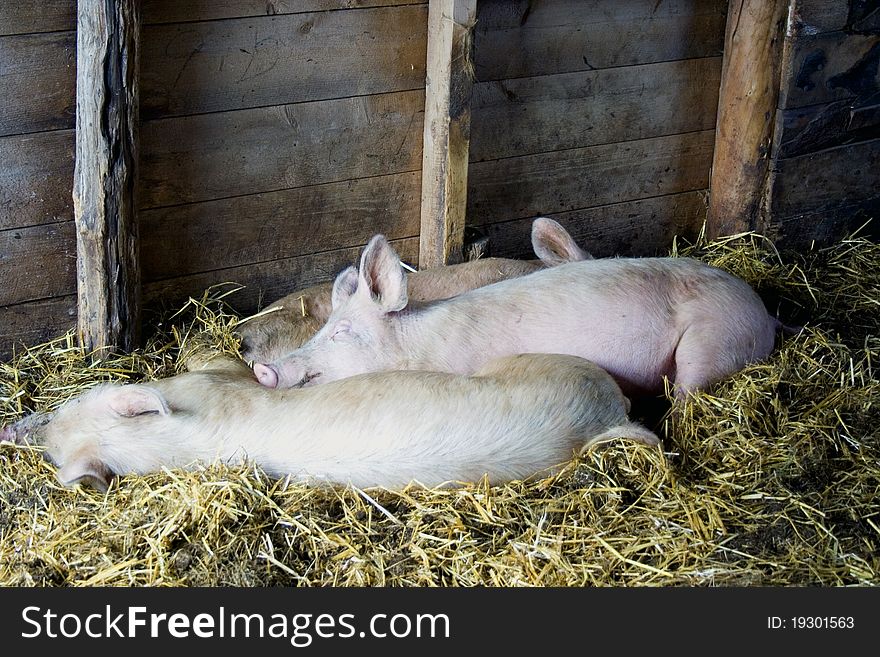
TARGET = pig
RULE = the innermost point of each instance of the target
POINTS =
(514, 418)
(642, 319)
(268, 337)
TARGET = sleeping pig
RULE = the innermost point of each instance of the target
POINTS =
(513, 418)
(642, 319)
(267, 337)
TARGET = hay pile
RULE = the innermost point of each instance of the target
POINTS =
(772, 478)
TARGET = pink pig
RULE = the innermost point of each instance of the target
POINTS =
(516, 417)
(298, 316)
(641, 319)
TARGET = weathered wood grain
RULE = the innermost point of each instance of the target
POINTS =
(17, 17)
(550, 183)
(826, 227)
(38, 82)
(267, 281)
(108, 275)
(35, 322)
(746, 106)
(174, 11)
(827, 67)
(519, 38)
(816, 16)
(813, 128)
(633, 228)
(261, 227)
(36, 176)
(573, 110)
(274, 60)
(825, 180)
(37, 262)
(198, 158)
(447, 130)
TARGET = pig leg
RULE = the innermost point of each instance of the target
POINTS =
(708, 352)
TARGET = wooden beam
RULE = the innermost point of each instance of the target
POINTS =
(449, 81)
(108, 279)
(750, 78)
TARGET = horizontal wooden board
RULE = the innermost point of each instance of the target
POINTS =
(520, 38)
(175, 11)
(633, 228)
(825, 180)
(826, 227)
(549, 183)
(36, 178)
(268, 281)
(38, 82)
(827, 67)
(37, 262)
(199, 158)
(17, 17)
(262, 227)
(275, 60)
(815, 16)
(813, 128)
(35, 322)
(572, 110)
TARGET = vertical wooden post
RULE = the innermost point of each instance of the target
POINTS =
(108, 274)
(750, 78)
(447, 130)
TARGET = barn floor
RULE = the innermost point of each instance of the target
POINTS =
(772, 478)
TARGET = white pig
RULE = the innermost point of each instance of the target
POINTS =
(300, 315)
(642, 319)
(516, 417)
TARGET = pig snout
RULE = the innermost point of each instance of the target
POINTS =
(283, 374)
(266, 375)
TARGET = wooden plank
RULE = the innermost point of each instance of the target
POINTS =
(813, 128)
(36, 177)
(827, 67)
(263, 227)
(265, 282)
(198, 158)
(44, 16)
(174, 11)
(37, 262)
(108, 278)
(825, 180)
(573, 110)
(549, 183)
(35, 322)
(816, 16)
(746, 104)
(633, 228)
(519, 38)
(274, 60)
(447, 130)
(826, 227)
(38, 82)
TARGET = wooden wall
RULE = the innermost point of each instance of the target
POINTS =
(598, 113)
(37, 241)
(825, 161)
(276, 138)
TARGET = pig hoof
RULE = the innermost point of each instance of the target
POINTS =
(266, 375)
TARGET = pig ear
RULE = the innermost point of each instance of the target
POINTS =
(382, 276)
(84, 467)
(553, 245)
(133, 400)
(344, 286)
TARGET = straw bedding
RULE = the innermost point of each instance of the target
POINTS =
(770, 478)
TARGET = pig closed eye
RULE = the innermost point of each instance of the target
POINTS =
(341, 331)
